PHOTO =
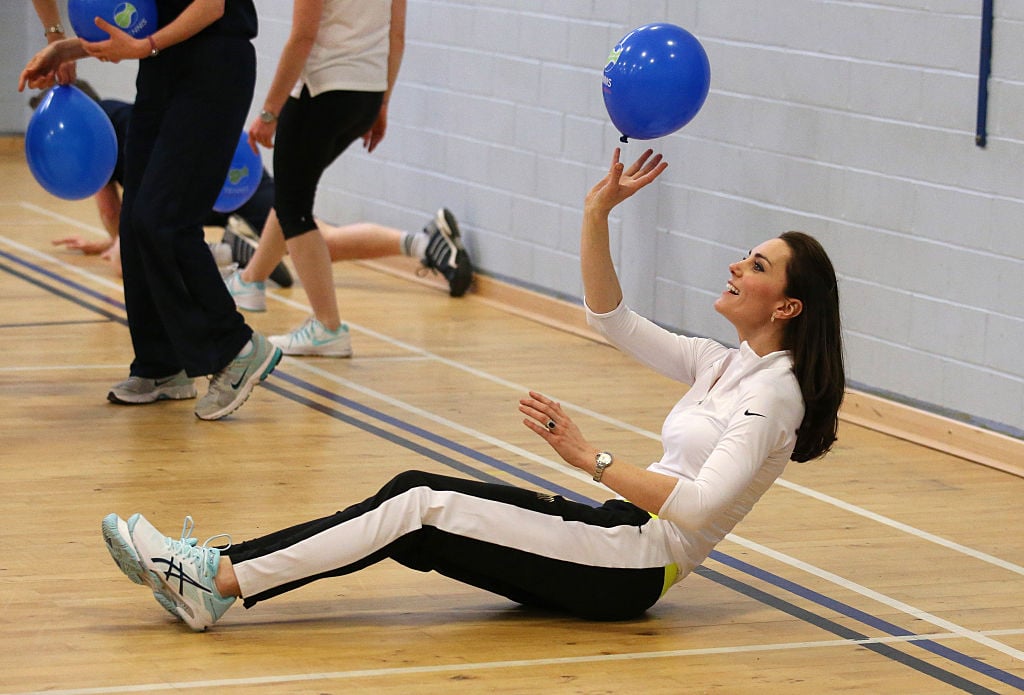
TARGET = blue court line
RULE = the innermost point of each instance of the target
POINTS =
(98, 296)
(436, 439)
(868, 619)
(61, 293)
(953, 655)
(888, 651)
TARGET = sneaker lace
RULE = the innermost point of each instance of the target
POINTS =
(215, 381)
(305, 331)
(188, 546)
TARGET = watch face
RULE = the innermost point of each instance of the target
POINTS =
(604, 458)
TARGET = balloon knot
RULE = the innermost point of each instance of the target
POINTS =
(624, 139)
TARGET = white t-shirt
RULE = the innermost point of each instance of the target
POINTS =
(351, 48)
(726, 440)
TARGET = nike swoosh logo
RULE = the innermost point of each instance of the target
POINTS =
(747, 412)
(242, 378)
(161, 382)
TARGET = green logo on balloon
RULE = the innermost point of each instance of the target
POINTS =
(235, 176)
(613, 57)
(124, 15)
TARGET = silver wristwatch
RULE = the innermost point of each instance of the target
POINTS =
(268, 116)
(603, 459)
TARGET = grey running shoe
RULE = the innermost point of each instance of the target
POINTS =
(314, 338)
(139, 390)
(243, 240)
(231, 386)
(446, 254)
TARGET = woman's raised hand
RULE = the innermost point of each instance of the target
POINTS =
(621, 182)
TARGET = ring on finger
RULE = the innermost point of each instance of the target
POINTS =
(551, 425)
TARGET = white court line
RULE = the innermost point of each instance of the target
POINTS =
(444, 422)
(793, 562)
(62, 367)
(917, 613)
(51, 259)
(70, 221)
(924, 535)
(488, 665)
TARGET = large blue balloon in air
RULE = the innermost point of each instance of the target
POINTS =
(137, 17)
(243, 178)
(656, 80)
(70, 144)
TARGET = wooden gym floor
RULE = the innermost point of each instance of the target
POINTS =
(885, 568)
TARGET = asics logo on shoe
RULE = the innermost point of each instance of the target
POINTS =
(174, 571)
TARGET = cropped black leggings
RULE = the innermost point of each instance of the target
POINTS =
(311, 133)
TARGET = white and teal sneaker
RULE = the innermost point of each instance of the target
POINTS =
(180, 572)
(249, 296)
(314, 338)
(118, 536)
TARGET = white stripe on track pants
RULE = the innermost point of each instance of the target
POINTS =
(603, 563)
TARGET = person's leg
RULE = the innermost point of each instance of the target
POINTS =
(362, 240)
(188, 312)
(606, 562)
(310, 256)
(312, 132)
(268, 254)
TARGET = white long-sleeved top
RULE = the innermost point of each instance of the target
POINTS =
(726, 440)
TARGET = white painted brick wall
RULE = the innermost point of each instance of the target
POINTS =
(853, 121)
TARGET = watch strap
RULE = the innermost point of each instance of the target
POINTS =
(602, 460)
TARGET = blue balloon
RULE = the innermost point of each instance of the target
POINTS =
(656, 80)
(138, 17)
(70, 144)
(243, 178)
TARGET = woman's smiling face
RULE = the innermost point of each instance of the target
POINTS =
(756, 286)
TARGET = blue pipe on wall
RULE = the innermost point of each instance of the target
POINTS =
(984, 70)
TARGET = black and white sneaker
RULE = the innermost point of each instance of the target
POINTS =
(243, 240)
(446, 254)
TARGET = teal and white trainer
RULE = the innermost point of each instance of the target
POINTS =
(139, 390)
(314, 338)
(249, 296)
(231, 386)
(184, 571)
(117, 533)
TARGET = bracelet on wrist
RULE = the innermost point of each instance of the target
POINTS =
(55, 29)
(153, 50)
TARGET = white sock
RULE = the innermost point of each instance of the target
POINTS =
(415, 244)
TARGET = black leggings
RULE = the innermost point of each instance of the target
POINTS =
(311, 133)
